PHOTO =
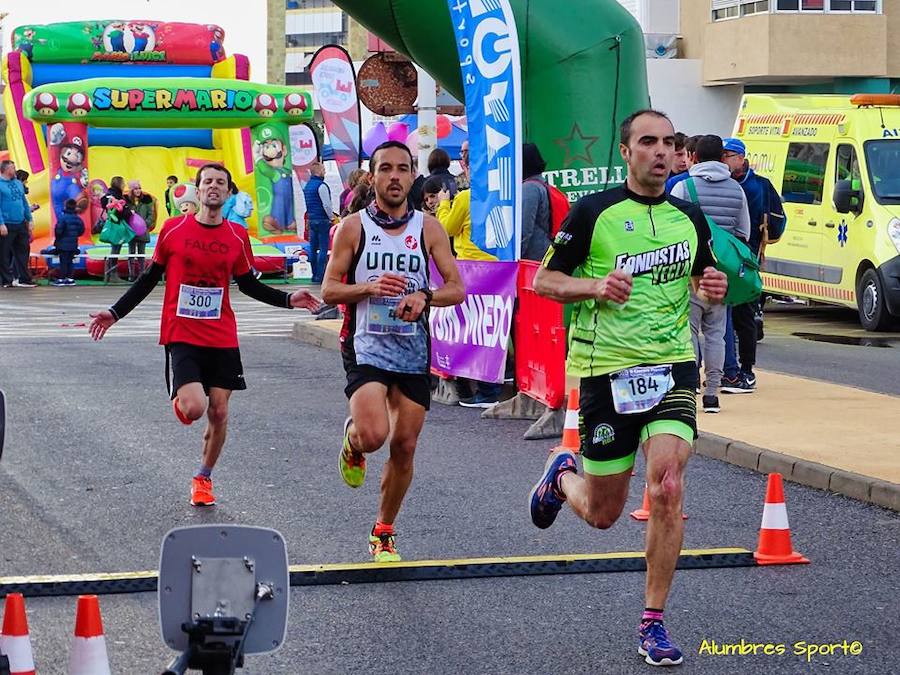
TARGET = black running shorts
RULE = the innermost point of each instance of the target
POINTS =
(414, 386)
(609, 440)
(210, 366)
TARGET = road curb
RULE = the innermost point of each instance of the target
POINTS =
(324, 334)
(856, 486)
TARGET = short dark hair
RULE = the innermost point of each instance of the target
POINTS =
(625, 127)
(533, 163)
(709, 148)
(433, 185)
(680, 140)
(691, 143)
(175, 178)
(438, 159)
(385, 146)
(70, 205)
(212, 165)
(4, 165)
(22, 174)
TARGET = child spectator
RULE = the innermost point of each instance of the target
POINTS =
(68, 229)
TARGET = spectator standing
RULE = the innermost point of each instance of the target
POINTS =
(16, 227)
(457, 221)
(67, 231)
(144, 205)
(318, 213)
(764, 206)
(535, 205)
(171, 207)
(690, 158)
(439, 165)
(116, 191)
(722, 200)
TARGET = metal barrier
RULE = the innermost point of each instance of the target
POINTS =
(540, 342)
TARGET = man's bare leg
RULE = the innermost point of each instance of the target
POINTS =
(407, 419)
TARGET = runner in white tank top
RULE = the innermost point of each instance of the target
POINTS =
(379, 269)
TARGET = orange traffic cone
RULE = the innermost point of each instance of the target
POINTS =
(88, 653)
(775, 534)
(571, 438)
(643, 513)
(14, 640)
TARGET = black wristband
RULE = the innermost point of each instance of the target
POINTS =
(429, 294)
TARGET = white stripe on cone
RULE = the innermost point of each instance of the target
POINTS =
(775, 517)
(571, 419)
(88, 657)
(18, 649)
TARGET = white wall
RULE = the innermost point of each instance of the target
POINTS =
(676, 89)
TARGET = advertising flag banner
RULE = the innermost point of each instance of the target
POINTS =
(471, 339)
(488, 47)
(334, 84)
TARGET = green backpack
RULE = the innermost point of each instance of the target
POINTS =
(734, 258)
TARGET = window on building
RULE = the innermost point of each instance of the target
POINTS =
(804, 173)
(728, 9)
(298, 78)
(827, 5)
(308, 4)
(314, 39)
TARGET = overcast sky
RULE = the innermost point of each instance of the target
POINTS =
(244, 21)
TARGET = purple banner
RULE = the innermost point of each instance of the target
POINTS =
(470, 340)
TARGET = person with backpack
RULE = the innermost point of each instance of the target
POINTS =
(767, 223)
(536, 226)
(722, 200)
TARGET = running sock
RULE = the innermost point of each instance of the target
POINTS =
(382, 528)
(650, 615)
(205, 471)
(557, 481)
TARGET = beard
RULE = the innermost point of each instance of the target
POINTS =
(391, 198)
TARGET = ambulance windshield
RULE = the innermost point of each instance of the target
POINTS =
(883, 159)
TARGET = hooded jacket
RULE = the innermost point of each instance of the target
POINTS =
(720, 196)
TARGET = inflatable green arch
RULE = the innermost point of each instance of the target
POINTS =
(583, 71)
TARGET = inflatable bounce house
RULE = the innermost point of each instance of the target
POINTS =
(86, 101)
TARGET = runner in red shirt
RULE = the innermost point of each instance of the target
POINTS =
(199, 255)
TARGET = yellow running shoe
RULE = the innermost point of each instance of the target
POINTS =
(351, 463)
(383, 549)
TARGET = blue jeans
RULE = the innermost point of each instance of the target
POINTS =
(318, 248)
(731, 364)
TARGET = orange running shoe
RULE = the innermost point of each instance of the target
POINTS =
(187, 421)
(201, 491)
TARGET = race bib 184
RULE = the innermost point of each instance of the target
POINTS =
(639, 389)
(199, 302)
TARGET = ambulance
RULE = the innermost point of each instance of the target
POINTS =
(835, 160)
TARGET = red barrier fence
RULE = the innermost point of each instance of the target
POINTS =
(540, 342)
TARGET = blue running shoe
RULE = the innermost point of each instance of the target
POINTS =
(544, 501)
(655, 646)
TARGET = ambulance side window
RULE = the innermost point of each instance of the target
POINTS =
(804, 173)
(847, 166)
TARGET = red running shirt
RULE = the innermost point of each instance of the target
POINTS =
(200, 261)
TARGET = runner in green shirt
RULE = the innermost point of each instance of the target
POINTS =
(628, 257)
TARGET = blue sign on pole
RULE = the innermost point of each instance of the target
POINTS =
(488, 47)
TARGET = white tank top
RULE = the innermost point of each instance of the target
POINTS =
(380, 339)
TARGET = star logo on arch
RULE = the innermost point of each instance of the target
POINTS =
(577, 146)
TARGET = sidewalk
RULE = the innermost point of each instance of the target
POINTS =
(827, 436)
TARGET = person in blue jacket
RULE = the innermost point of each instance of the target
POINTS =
(67, 231)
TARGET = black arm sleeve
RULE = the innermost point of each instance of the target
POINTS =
(139, 290)
(253, 287)
(705, 256)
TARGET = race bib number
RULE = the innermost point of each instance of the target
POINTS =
(637, 390)
(198, 302)
(383, 318)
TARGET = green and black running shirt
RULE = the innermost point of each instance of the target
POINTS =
(662, 242)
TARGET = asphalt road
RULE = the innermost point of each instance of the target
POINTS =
(96, 470)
